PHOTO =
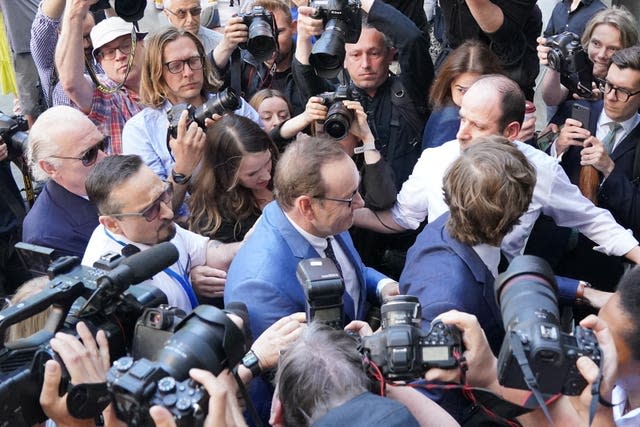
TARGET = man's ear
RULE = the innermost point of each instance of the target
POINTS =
(110, 224)
(276, 419)
(48, 168)
(304, 205)
(511, 131)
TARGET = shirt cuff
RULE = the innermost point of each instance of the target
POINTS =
(381, 284)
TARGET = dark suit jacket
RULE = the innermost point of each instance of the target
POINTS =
(620, 192)
(60, 220)
(446, 274)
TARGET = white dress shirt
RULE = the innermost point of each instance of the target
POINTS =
(554, 195)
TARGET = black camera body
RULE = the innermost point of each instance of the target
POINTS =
(153, 328)
(526, 295)
(147, 382)
(13, 132)
(219, 103)
(342, 24)
(262, 40)
(402, 351)
(323, 288)
(339, 117)
(205, 339)
(100, 297)
(568, 57)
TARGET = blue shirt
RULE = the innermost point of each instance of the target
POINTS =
(562, 19)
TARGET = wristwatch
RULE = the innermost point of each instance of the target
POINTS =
(251, 362)
(179, 178)
(365, 147)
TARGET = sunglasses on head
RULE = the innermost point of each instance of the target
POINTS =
(89, 157)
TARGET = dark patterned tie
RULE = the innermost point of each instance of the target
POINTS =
(610, 138)
(332, 255)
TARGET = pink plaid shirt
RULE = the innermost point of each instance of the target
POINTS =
(110, 111)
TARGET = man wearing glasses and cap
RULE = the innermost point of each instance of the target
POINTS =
(135, 213)
(119, 50)
(185, 14)
(64, 146)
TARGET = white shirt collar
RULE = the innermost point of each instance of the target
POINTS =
(318, 243)
(490, 256)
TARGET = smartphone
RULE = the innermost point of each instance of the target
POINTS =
(581, 114)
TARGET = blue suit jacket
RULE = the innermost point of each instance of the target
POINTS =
(263, 276)
(263, 273)
(60, 220)
(446, 274)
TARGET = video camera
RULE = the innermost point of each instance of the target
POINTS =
(263, 33)
(323, 289)
(13, 131)
(401, 350)
(342, 24)
(101, 297)
(226, 101)
(568, 57)
(535, 351)
(339, 117)
(207, 339)
(129, 10)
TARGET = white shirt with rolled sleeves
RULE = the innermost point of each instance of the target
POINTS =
(554, 195)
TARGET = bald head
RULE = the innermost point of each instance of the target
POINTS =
(504, 91)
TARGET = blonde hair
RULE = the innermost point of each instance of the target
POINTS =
(35, 323)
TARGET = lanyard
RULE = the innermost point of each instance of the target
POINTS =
(182, 278)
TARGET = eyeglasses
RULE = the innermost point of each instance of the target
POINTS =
(175, 67)
(182, 13)
(89, 157)
(110, 53)
(152, 211)
(622, 94)
(348, 201)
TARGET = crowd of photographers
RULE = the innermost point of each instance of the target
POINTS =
(189, 269)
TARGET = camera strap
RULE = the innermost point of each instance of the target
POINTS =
(529, 378)
(257, 421)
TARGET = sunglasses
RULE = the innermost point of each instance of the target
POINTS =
(89, 157)
(152, 211)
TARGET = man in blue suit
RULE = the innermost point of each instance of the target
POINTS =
(455, 259)
(316, 191)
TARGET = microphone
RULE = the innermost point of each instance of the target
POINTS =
(132, 270)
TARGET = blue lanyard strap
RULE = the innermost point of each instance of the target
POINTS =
(182, 278)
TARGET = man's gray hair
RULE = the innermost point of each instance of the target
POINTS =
(320, 371)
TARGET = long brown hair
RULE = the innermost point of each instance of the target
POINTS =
(153, 88)
(472, 56)
(217, 194)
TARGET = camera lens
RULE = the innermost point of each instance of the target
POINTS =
(327, 55)
(401, 310)
(225, 101)
(261, 42)
(206, 339)
(338, 121)
(129, 10)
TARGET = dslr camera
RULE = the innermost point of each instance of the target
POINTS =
(568, 57)
(219, 103)
(100, 297)
(263, 35)
(207, 339)
(129, 10)
(339, 117)
(323, 289)
(13, 131)
(526, 295)
(342, 21)
(401, 350)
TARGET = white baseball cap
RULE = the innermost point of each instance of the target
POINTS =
(108, 30)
